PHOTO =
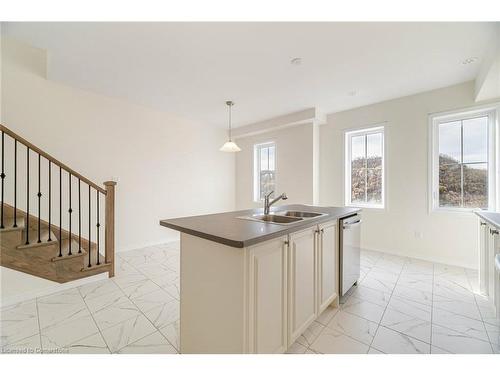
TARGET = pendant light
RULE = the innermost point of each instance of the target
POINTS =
(230, 146)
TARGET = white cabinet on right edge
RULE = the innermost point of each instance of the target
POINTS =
(488, 245)
(483, 256)
(491, 250)
(489, 277)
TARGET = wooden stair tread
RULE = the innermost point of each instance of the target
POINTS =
(33, 238)
(65, 250)
(94, 267)
(93, 257)
(8, 223)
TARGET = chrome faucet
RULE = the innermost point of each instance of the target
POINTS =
(268, 204)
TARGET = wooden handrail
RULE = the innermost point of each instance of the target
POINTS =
(51, 158)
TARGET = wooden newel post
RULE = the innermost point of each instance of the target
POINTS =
(109, 235)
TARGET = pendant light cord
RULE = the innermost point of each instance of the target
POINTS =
(230, 105)
(230, 146)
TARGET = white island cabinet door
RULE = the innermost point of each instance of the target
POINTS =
(267, 271)
(327, 265)
(301, 282)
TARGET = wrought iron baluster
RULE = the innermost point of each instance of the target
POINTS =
(70, 211)
(60, 211)
(79, 217)
(15, 183)
(98, 225)
(90, 232)
(2, 176)
(39, 195)
(50, 201)
(27, 228)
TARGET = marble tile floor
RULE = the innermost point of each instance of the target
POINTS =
(400, 305)
(137, 311)
(406, 306)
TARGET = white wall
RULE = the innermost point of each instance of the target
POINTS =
(294, 165)
(17, 286)
(487, 83)
(165, 166)
(445, 237)
(1, 40)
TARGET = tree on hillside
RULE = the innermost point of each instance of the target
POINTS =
(457, 179)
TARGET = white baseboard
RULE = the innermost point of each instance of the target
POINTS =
(427, 259)
(131, 248)
(18, 298)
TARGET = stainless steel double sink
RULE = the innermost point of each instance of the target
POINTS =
(283, 217)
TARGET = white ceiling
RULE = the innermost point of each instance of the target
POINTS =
(191, 69)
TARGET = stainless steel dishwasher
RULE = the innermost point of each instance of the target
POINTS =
(349, 252)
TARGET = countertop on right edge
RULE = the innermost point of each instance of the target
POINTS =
(491, 217)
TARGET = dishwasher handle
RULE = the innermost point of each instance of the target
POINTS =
(347, 225)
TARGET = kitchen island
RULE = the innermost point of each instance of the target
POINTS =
(251, 286)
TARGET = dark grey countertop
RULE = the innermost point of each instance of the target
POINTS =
(226, 228)
(491, 217)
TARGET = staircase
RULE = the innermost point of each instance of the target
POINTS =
(61, 239)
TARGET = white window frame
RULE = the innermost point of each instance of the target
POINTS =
(348, 134)
(492, 111)
(256, 168)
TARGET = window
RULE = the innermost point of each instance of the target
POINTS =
(264, 170)
(364, 177)
(463, 159)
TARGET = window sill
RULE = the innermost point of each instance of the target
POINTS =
(370, 208)
(444, 210)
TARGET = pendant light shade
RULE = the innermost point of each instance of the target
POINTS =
(230, 146)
